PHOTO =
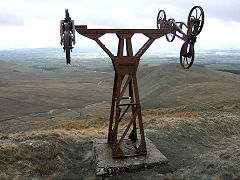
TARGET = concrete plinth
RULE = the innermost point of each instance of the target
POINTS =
(106, 165)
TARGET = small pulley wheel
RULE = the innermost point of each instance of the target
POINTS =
(171, 36)
(187, 55)
(196, 20)
(161, 17)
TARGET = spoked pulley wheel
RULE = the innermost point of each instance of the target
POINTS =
(187, 55)
(67, 46)
(161, 17)
(196, 16)
(171, 36)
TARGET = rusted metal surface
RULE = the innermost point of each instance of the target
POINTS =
(124, 32)
(126, 68)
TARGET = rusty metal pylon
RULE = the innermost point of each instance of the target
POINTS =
(126, 68)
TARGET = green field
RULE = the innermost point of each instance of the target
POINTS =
(53, 59)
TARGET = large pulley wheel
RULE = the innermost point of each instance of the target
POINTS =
(67, 46)
(171, 36)
(66, 38)
(67, 34)
(196, 17)
(187, 55)
(161, 17)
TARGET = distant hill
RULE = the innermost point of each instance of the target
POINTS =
(170, 85)
(6, 66)
(25, 91)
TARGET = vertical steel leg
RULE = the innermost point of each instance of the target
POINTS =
(142, 147)
(133, 134)
(110, 130)
(117, 151)
(123, 68)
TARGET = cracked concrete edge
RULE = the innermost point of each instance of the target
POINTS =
(101, 171)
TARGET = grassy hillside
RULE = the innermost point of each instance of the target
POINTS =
(12, 67)
(169, 85)
(198, 146)
(25, 91)
(198, 131)
(32, 98)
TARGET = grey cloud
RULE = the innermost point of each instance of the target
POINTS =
(109, 21)
(7, 19)
(222, 10)
(227, 10)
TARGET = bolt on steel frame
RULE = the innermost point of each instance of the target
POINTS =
(125, 68)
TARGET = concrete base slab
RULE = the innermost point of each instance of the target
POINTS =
(106, 165)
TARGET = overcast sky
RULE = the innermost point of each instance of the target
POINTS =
(35, 23)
